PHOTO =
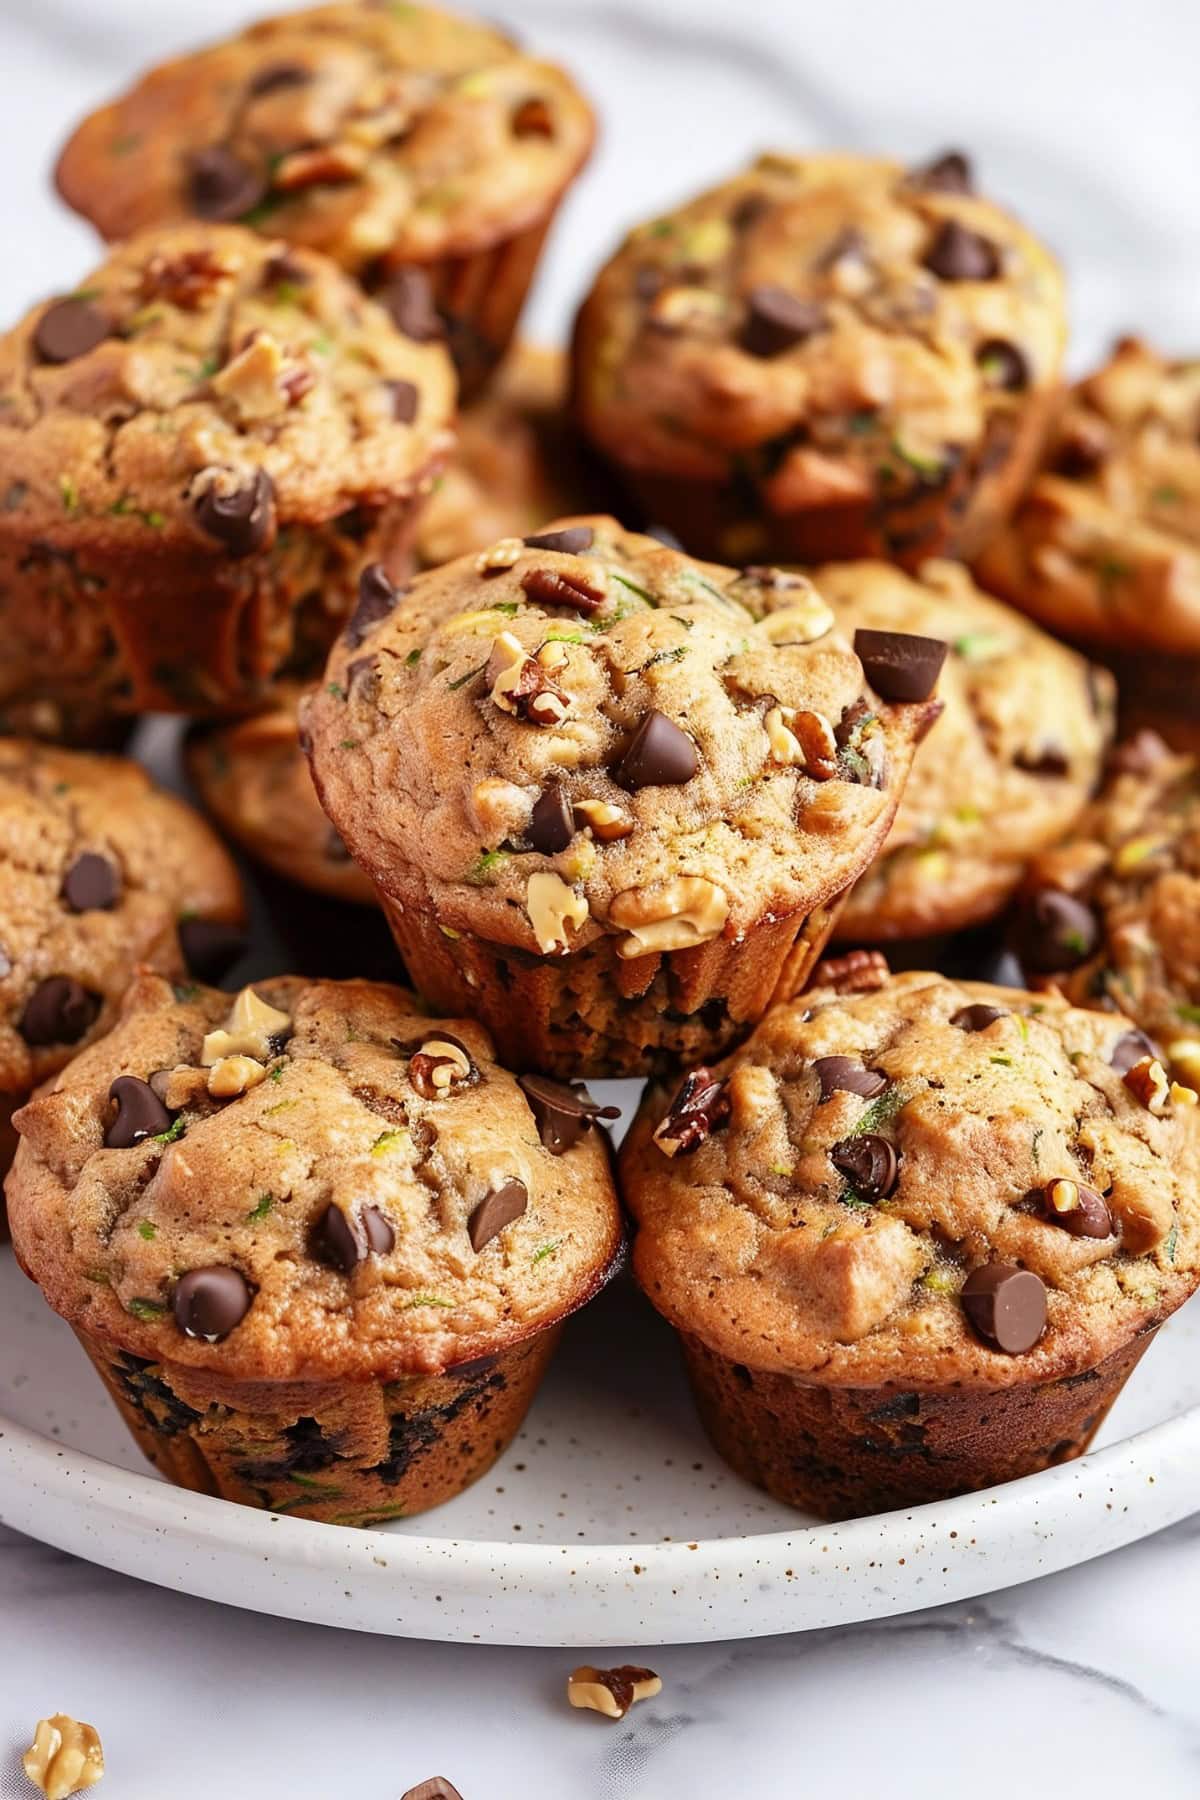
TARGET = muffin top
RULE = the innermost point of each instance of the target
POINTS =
(309, 1181)
(936, 1183)
(1112, 915)
(863, 321)
(100, 871)
(369, 132)
(1009, 766)
(205, 386)
(585, 731)
(1106, 545)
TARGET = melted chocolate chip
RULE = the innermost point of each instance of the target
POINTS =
(572, 541)
(563, 1113)
(59, 1011)
(140, 1113)
(1055, 932)
(345, 1240)
(408, 297)
(1048, 759)
(377, 595)
(700, 1105)
(91, 884)
(949, 173)
(871, 1165)
(898, 664)
(210, 947)
(495, 1211)
(241, 521)
(67, 329)
(1003, 365)
(977, 1017)
(552, 823)
(1005, 1306)
(659, 755)
(1089, 1217)
(221, 186)
(845, 1074)
(209, 1303)
(777, 320)
(1130, 1048)
(406, 401)
(957, 254)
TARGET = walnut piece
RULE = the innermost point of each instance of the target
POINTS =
(253, 380)
(234, 1075)
(1147, 1082)
(802, 621)
(248, 1031)
(519, 684)
(670, 916)
(552, 906)
(607, 822)
(858, 972)
(502, 555)
(64, 1758)
(439, 1066)
(323, 163)
(611, 1691)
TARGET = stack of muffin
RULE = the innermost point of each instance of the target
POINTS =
(615, 802)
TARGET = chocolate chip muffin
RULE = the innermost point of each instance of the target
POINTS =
(612, 798)
(1112, 915)
(318, 1245)
(826, 356)
(914, 1239)
(253, 777)
(199, 449)
(1012, 762)
(100, 873)
(424, 153)
(1105, 546)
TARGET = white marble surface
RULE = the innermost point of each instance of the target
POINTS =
(1083, 114)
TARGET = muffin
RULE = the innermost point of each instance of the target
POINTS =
(426, 154)
(318, 1246)
(611, 798)
(1112, 915)
(1105, 547)
(253, 777)
(915, 1239)
(199, 450)
(100, 872)
(1012, 762)
(826, 356)
(516, 463)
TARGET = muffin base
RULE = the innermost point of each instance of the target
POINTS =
(846, 1452)
(348, 1453)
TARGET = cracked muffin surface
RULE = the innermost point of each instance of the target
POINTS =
(832, 1199)
(313, 1182)
(824, 356)
(1009, 766)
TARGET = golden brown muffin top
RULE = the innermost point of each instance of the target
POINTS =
(585, 731)
(100, 871)
(371, 132)
(203, 388)
(310, 1180)
(1013, 759)
(826, 1200)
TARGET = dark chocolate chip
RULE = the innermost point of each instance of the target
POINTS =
(1055, 932)
(1048, 759)
(67, 329)
(1003, 365)
(221, 185)
(533, 118)
(748, 211)
(406, 401)
(140, 1113)
(241, 521)
(1130, 1048)
(1089, 1215)
(572, 541)
(59, 1011)
(377, 595)
(210, 947)
(345, 1240)
(436, 1788)
(898, 664)
(557, 587)
(661, 535)
(659, 755)
(408, 297)
(552, 823)
(977, 1017)
(335, 846)
(91, 884)
(845, 1074)
(496, 1210)
(563, 1113)
(949, 173)
(777, 320)
(208, 1303)
(871, 1165)
(275, 76)
(957, 254)
(1005, 1306)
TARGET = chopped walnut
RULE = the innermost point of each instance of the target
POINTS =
(499, 809)
(520, 685)
(439, 1066)
(700, 1103)
(1147, 1082)
(801, 621)
(503, 555)
(250, 1030)
(552, 906)
(323, 163)
(673, 915)
(234, 1075)
(179, 1087)
(816, 741)
(253, 382)
(687, 309)
(64, 1758)
(608, 823)
(611, 1691)
(190, 281)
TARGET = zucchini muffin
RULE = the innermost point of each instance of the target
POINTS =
(423, 152)
(914, 1239)
(1014, 758)
(199, 450)
(317, 1244)
(826, 356)
(253, 778)
(101, 872)
(612, 798)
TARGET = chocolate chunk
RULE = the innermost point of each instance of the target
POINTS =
(496, 1210)
(345, 1240)
(67, 329)
(241, 521)
(552, 823)
(1003, 365)
(377, 595)
(221, 186)
(275, 76)
(870, 1164)
(436, 1788)
(845, 1074)
(1055, 932)
(406, 401)
(59, 1011)
(949, 173)
(957, 254)
(91, 884)
(408, 297)
(777, 320)
(658, 755)
(1048, 759)
(208, 1303)
(140, 1113)
(210, 947)
(700, 1105)
(898, 664)
(1005, 1306)
(977, 1017)
(1130, 1048)
(563, 1113)
(572, 542)
(554, 587)
(1078, 1209)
